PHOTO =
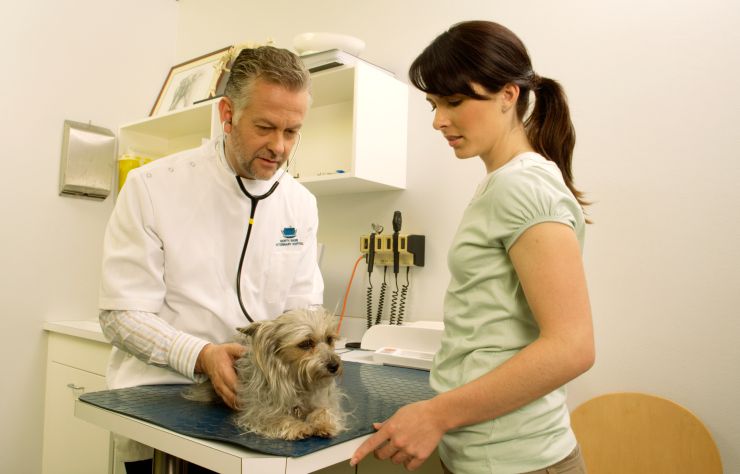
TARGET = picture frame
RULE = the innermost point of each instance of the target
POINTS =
(192, 81)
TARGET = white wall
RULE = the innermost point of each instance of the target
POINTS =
(653, 90)
(84, 60)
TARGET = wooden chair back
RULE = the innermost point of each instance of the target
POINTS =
(637, 433)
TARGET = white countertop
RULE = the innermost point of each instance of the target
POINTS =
(86, 329)
(90, 329)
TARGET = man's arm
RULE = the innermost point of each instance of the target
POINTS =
(152, 340)
(155, 342)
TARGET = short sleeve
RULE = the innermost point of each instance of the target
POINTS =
(526, 196)
(133, 258)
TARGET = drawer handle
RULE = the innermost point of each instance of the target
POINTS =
(75, 387)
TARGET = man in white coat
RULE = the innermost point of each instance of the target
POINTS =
(206, 240)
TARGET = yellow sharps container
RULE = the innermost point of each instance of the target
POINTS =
(126, 163)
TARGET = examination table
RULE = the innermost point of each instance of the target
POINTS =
(204, 434)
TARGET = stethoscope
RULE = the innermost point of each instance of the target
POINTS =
(254, 200)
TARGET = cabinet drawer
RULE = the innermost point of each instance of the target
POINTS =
(70, 444)
(84, 354)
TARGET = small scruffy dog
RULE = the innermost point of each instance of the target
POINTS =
(286, 385)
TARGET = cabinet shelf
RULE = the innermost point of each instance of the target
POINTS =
(343, 184)
(353, 139)
(165, 134)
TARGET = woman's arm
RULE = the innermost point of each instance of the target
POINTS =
(548, 262)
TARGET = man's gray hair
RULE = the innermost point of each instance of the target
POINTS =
(274, 65)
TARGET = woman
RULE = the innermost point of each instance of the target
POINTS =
(517, 313)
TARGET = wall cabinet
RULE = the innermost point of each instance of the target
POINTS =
(74, 366)
(353, 139)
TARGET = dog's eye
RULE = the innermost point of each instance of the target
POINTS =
(330, 340)
(306, 345)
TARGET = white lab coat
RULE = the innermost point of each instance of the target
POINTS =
(173, 244)
(172, 248)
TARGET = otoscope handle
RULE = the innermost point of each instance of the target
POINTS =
(396, 230)
(397, 221)
(371, 253)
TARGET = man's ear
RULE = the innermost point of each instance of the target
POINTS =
(226, 113)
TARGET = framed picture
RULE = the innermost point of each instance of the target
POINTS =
(191, 81)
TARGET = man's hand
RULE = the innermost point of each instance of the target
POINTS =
(407, 438)
(217, 362)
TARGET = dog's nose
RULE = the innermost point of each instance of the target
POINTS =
(332, 367)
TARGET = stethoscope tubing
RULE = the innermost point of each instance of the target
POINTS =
(254, 200)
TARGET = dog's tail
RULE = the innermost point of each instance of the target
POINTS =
(201, 392)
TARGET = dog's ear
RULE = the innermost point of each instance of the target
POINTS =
(250, 330)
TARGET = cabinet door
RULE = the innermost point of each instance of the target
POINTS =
(370, 465)
(72, 445)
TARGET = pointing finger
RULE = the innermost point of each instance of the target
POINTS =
(367, 447)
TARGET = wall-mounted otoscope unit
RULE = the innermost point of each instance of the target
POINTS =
(394, 250)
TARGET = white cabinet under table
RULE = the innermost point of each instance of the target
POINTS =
(75, 364)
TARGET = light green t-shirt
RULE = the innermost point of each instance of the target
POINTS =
(487, 318)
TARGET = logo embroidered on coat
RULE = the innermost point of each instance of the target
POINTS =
(289, 237)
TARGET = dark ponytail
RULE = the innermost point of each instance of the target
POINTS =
(489, 54)
(550, 130)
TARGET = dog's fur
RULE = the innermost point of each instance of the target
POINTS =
(286, 385)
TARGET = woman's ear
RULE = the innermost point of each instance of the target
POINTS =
(509, 96)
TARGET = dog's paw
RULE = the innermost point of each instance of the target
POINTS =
(325, 431)
(323, 422)
(296, 430)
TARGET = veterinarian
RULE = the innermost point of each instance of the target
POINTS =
(516, 312)
(186, 225)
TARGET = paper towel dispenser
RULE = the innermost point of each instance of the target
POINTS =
(88, 160)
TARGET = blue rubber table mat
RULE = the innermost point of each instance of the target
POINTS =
(374, 393)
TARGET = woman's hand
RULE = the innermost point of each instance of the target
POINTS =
(408, 437)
